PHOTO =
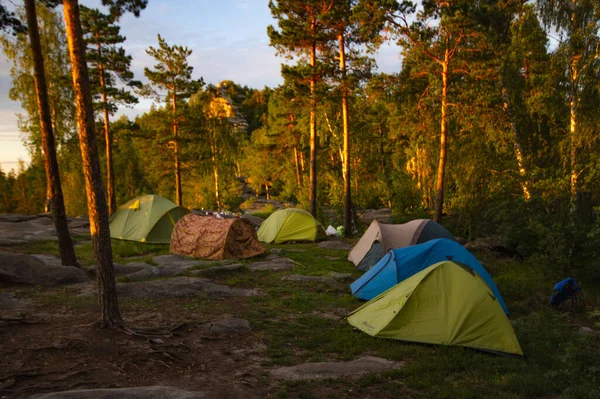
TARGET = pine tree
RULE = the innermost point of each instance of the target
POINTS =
(300, 33)
(65, 244)
(108, 65)
(172, 74)
(97, 209)
(578, 24)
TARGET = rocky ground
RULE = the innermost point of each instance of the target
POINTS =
(50, 347)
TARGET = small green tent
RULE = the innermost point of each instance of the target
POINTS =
(290, 224)
(147, 218)
(445, 304)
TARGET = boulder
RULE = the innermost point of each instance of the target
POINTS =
(152, 392)
(312, 371)
(27, 269)
(49, 260)
(180, 287)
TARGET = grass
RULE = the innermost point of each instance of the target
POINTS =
(297, 321)
(300, 322)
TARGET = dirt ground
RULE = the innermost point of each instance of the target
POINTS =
(56, 349)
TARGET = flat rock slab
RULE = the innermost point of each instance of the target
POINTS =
(159, 271)
(313, 371)
(335, 244)
(345, 277)
(174, 260)
(275, 263)
(49, 260)
(219, 270)
(9, 301)
(28, 269)
(15, 218)
(122, 270)
(180, 287)
(155, 392)
(312, 279)
(231, 325)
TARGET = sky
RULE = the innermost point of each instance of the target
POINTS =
(228, 39)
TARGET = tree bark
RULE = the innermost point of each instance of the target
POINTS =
(213, 149)
(178, 193)
(313, 128)
(439, 197)
(517, 147)
(297, 166)
(346, 164)
(110, 186)
(97, 209)
(56, 203)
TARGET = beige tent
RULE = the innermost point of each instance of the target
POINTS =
(380, 238)
(208, 237)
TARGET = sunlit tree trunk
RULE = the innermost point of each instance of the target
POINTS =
(214, 149)
(517, 148)
(176, 149)
(313, 127)
(297, 166)
(346, 151)
(57, 205)
(97, 209)
(110, 187)
(439, 196)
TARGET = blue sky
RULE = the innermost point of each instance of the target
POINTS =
(228, 39)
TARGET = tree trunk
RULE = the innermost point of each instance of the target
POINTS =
(213, 148)
(57, 205)
(573, 172)
(297, 165)
(178, 193)
(313, 129)
(48, 202)
(110, 186)
(439, 197)
(346, 163)
(97, 209)
(22, 190)
(517, 147)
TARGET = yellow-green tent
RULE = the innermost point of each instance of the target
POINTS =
(290, 224)
(147, 218)
(446, 304)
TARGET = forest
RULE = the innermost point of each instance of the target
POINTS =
(490, 125)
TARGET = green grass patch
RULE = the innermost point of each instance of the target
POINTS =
(300, 322)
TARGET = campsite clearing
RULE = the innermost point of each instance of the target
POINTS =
(293, 321)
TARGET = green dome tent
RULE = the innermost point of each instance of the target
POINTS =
(147, 218)
(290, 224)
(444, 304)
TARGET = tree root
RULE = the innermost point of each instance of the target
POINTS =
(146, 332)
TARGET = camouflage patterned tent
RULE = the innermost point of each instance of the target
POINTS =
(208, 237)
